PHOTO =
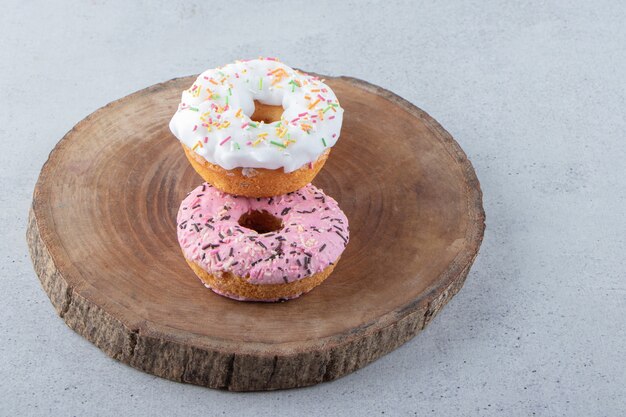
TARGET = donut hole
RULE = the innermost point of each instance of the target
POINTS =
(266, 112)
(260, 221)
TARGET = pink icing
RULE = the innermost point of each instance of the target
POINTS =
(314, 234)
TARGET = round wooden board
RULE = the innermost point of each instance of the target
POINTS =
(102, 237)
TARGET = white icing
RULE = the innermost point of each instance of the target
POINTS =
(310, 123)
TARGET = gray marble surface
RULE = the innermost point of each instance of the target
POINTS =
(533, 91)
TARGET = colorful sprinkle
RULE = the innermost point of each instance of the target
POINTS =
(314, 104)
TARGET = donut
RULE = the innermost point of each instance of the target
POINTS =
(261, 249)
(257, 128)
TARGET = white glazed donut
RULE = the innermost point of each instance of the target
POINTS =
(213, 118)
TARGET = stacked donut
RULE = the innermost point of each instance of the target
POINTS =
(258, 132)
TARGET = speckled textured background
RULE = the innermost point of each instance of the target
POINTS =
(533, 91)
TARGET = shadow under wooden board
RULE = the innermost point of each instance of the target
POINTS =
(102, 236)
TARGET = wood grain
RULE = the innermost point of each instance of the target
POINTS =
(103, 242)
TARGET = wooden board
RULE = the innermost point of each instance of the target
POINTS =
(103, 241)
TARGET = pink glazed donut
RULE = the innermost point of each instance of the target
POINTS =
(261, 249)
